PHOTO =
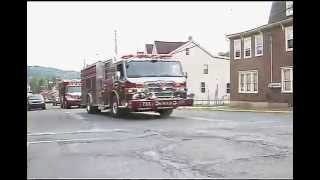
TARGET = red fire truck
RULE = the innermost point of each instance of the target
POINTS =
(134, 83)
(70, 93)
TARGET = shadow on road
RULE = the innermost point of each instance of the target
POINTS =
(134, 116)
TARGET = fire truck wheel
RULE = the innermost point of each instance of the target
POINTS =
(92, 109)
(115, 111)
(66, 106)
(165, 113)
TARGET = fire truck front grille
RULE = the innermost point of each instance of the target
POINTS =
(161, 89)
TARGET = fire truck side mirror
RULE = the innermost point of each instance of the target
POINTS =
(117, 76)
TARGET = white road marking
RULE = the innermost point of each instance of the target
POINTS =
(77, 116)
(206, 119)
(77, 132)
(71, 140)
(87, 140)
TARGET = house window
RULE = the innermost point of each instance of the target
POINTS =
(289, 38)
(228, 87)
(258, 39)
(203, 87)
(242, 82)
(205, 69)
(255, 82)
(237, 48)
(248, 81)
(187, 51)
(247, 47)
(286, 79)
(289, 8)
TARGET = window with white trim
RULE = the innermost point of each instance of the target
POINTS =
(187, 51)
(205, 68)
(203, 87)
(247, 47)
(286, 79)
(289, 8)
(258, 40)
(248, 81)
(289, 38)
(237, 48)
(228, 88)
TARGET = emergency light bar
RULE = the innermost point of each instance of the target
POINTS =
(146, 56)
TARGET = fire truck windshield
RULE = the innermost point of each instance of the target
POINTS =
(73, 89)
(154, 69)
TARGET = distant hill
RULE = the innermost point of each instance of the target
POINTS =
(40, 71)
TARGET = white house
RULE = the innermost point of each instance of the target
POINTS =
(208, 75)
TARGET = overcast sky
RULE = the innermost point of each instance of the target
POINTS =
(63, 34)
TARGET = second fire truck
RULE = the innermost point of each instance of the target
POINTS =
(70, 93)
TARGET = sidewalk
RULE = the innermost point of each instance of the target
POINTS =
(234, 109)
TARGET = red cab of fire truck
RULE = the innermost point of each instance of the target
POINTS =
(135, 83)
(70, 93)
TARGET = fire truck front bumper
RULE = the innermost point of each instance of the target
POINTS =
(154, 105)
(74, 102)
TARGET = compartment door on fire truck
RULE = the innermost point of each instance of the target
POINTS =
(99, 82)
(110, 69)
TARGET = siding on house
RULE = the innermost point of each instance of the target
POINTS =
(193, 64)
(273, 36)
(280, 58)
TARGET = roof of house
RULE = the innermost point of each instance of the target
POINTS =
(149, 48)
(260, 28)
(277, 16)
(182, 48)
(164, 47)
(278, 12)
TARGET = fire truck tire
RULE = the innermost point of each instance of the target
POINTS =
(115, 111)
(66, 106)
(165, 113)
(92, 109)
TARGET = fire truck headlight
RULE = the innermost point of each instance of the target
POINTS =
(180, 89)
(142, 95)
(139, 96)
(139, 90)
(152, 96)
(135, 96)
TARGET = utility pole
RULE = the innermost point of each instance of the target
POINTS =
(115, 43)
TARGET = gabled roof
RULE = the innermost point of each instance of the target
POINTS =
(164, 47)
(195, 44)
(277, 17)
(149, 48)
(278, 12)
(260, 28)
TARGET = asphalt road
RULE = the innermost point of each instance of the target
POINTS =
(69, 143)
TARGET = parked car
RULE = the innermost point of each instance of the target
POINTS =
(56, 101)
(36, 101)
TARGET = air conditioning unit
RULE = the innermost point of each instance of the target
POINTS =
(274, 85)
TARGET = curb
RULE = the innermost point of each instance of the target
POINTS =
(237, 110)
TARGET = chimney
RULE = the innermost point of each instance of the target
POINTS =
(190, 38)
